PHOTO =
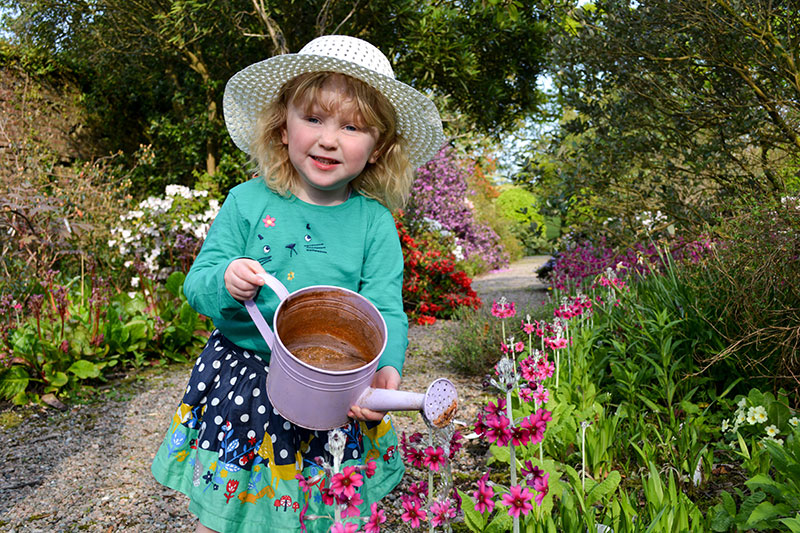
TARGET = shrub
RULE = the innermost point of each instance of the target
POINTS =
(440, 193)
(433, 287)
(164, 234)
(749, 286)
(56, 218)
(521, 208)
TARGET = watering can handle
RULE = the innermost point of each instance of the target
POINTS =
(255, 314)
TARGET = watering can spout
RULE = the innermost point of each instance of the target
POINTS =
(438, 404)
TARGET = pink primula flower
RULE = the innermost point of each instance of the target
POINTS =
(503, 309)
(376, 518)
(483, 496)
(352, 505)
(442, 513)
(497, 430)
(434, 458)
(542, 396)
(542, 486)
(345, 483)
(414, 512)
(518, 499)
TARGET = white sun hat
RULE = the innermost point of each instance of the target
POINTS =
(253, 87)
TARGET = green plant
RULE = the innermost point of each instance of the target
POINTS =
(747, 291)
(77, 332)
(774, 499)
(471, 343)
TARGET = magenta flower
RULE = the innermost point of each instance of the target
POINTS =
(526, 394)
(344, 484)
(483, 496)
(503, 309)
(542, 396)
(520, 436)
(528, 328)
(518, 499)
(542, 486)
(376, 518)
(531, 473)
(414, 512)
(442, 513)
(498, 430)
(536, 426)
(303, 482)
(434, 458)
(352, 505)
(418, 490)
(497, 410)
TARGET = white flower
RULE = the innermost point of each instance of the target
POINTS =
(135, 282)
(742, 403)
(725, 425)
(771, 430)
(458, 253)
(761, 414)
(740, 418)
(794, 421)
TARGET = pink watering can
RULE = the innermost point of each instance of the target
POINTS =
(326, 343)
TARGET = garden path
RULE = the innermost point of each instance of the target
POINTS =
(87, 468)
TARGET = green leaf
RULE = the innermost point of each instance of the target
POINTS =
(502, 522)
(728, 503)
(603, 489)
(764, 512)
(175, 283)
(13, 381)
(137, 329)
(84, 369)
(722, 520)
(792, 523)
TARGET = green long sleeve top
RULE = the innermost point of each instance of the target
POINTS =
(353, 245)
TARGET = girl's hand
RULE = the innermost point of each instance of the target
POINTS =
(386, 378)
(242, 278)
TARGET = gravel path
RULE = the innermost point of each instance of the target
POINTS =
(87, 468)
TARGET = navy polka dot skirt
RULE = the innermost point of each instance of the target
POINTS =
(237, 458)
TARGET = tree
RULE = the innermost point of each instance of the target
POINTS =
(154, 70)
(677, 105)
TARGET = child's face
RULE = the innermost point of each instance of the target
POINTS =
(328, 144)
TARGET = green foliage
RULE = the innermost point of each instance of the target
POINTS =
(521, 207)
(774, 500)
(676, 107)
(471, 343)
(154, 74)
(79, 332)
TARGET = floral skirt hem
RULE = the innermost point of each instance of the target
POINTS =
(236, 458)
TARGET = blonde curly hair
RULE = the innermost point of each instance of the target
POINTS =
(388, 180)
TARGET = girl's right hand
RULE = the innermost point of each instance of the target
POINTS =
(242, 278)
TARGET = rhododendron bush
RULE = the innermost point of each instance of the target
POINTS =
(440, 200)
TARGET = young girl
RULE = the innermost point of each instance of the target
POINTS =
(334, 138)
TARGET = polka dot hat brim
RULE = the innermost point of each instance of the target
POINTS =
(252, 88)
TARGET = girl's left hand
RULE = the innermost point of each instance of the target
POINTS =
(386, 378)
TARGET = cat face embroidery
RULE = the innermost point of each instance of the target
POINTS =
(306, 241)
